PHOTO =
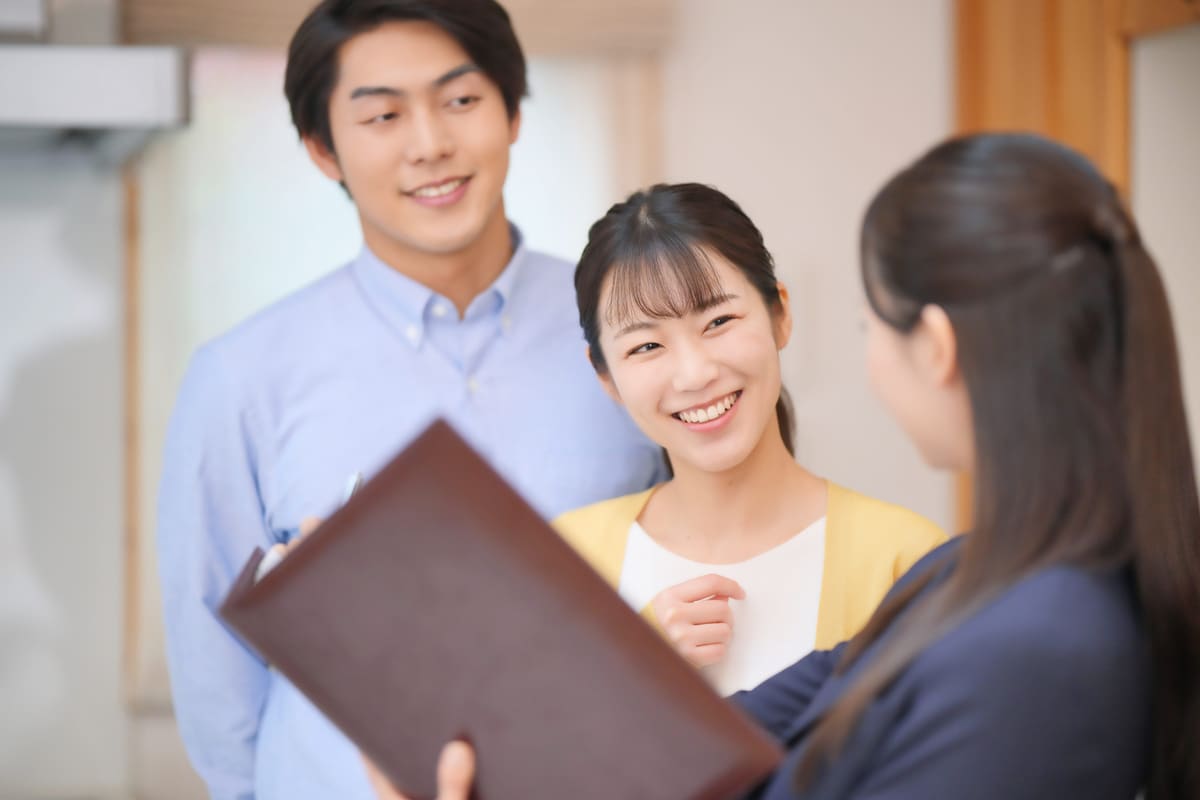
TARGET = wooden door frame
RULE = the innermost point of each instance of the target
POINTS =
(1060, 68)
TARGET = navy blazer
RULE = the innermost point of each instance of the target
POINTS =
(1044, 693)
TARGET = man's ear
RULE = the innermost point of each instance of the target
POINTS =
(783, 318)
(606, 381)
(514, 127)
(939, 348)
(324, 158)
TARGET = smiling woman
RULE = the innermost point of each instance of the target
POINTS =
(684, 320)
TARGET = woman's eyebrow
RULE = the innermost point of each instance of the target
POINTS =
(713, 302)
(633, 327)
(708, 303)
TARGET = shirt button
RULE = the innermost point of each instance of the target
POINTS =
(413, 333)
(440, 310)
(472, 386)
(506, 323)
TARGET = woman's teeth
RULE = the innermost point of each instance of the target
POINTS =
(441, 190)
(716, 410)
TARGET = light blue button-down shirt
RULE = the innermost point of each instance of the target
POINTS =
(274, 416)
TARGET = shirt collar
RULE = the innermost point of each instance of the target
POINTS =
(408, 305)
(507, 280)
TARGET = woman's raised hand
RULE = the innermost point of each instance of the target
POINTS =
(697, 618)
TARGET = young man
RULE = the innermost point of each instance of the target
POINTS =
(412, 105)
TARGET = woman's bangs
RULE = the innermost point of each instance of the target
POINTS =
(670, 279)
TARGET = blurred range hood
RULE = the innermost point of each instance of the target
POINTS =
(23, 18)
(109, 98)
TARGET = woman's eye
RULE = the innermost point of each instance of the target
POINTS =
(721, 320)
(645, 348)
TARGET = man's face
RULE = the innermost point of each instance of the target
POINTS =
(421, 139)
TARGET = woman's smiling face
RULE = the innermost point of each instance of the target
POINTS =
(702, 385)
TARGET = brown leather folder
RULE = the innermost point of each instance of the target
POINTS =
(436, 604)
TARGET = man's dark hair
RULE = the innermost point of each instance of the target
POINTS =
(481, 27)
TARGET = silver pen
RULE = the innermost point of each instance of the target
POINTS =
(275, 554)
(353, 484)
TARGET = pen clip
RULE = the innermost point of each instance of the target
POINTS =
(353, 484)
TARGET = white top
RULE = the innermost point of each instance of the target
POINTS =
(772, 628)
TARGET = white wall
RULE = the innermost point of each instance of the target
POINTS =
(1166, 183)
(61, 546)
(799, 110)
(563, 175)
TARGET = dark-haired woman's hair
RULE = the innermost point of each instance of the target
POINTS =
(481, 27)
(1068, 356)
(654, 248)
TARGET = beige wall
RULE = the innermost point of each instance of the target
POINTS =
(799, 109)
(1166, 182)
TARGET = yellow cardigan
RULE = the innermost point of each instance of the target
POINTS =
(868, 545)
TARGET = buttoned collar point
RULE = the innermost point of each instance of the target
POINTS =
(408, 305)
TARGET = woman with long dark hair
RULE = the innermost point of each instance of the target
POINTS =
(1019, 330)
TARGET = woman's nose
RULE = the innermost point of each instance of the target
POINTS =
(694, 369)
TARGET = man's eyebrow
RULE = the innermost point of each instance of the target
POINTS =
(457, 72)
(391, 91)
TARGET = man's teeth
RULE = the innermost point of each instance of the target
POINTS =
(709, 414)
(441, 190)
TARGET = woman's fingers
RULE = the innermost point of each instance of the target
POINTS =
(697, 618)
(699, 635)
(707, 654)
(711, 585)
(700, 612)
